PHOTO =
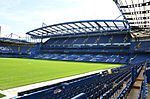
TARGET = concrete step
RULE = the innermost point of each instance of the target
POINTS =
(137, 84)
(133, 94)
(139, 79)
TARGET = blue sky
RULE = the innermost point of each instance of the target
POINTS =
(21, 16)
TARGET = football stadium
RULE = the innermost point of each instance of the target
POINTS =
(86, 59)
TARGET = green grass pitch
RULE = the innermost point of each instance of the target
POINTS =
(15, 72)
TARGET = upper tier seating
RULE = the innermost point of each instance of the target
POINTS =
(91, 40)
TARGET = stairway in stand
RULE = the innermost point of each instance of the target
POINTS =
(136, 87)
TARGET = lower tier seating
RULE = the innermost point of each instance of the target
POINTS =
(85, 57)
(134, 59)
(103, 85)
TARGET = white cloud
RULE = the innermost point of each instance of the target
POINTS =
(24, 19)
(4, 29)
(7, 5)
(86, 9)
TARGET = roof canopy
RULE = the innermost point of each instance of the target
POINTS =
(136, 12)
(80, 27)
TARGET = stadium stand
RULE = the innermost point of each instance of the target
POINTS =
(88, 48)
(17, 48)
(108, 41)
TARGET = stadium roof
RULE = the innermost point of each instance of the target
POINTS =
(80, 27)
(13, 41)
(136, 12)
